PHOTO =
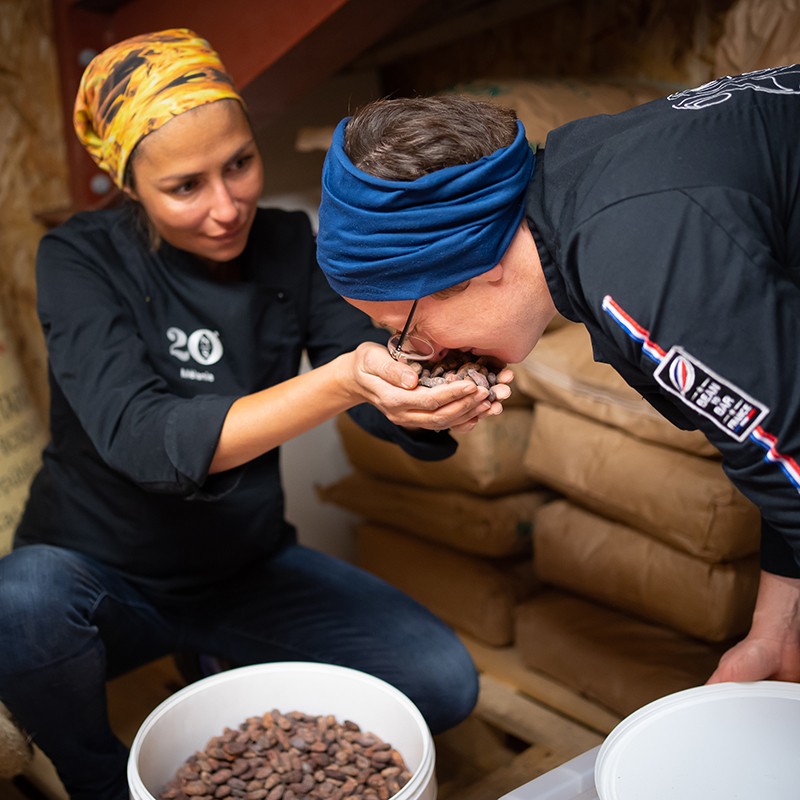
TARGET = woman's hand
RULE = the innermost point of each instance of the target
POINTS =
(257, 422)
(392, 387)
(771, 650)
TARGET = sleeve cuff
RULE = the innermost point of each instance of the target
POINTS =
(422, 444)
(777, 556)
(192, 434)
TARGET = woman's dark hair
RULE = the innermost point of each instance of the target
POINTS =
(141, 220)
(405, 138)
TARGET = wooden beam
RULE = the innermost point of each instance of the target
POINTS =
(502, 705)
(505, 664)
(529, 764)
(476, 743)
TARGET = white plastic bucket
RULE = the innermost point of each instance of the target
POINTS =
(717, 742)
(184, 722)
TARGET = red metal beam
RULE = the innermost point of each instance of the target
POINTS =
(249, 35)
(321, 53)
(78, 33)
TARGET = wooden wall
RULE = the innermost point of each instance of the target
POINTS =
(669, 41)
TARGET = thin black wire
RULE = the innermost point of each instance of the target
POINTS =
(404, 335)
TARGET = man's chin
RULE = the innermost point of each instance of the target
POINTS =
(495, 355)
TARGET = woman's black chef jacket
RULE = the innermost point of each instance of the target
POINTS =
(146, 355)
(673, 232)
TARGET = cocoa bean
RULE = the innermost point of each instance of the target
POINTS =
(458, 365)
(291, 756)
(221, 776)
(194, 788)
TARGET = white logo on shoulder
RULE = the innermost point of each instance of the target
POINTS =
(775, 80)
(203, 346)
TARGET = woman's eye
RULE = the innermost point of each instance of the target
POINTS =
(241, 163)
(184, 188)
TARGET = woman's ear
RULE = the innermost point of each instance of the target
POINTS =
(130, 192)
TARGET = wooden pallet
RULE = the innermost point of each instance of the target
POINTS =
(524, 725)
(505, 665)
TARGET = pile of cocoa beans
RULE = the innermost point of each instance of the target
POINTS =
(290, 757)
(459, 365)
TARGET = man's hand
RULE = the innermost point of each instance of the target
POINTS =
(771, 650)
(502, 391)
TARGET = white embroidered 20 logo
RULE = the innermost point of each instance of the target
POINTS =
(203, 346)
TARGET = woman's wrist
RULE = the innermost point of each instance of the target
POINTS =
(343, 379)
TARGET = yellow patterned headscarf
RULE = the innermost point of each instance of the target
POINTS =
(135, 86)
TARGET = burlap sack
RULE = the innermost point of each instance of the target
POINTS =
(561, 371)
(487, 526)
(488, 460)
(758, 34)
(474, 595)
(609, 657)
(633, 572)
(541, 103)
(683, 500)
(15, 749)
(544, 104)
(22, 437)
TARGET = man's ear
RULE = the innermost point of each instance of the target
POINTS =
(494, 275)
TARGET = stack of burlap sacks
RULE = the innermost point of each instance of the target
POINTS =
(454, 534)
(650, 553)
(22, 437)
(32, 180)
(605, 545)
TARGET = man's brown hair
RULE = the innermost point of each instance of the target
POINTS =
(405, 138)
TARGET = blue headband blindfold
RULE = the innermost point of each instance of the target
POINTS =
(402, 240)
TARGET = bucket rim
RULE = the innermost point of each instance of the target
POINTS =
(421, 776)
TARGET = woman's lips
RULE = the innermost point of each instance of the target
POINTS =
(228, 235)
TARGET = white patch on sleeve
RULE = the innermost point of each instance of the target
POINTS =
(726, 405)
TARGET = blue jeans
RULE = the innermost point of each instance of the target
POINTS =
(68, 624)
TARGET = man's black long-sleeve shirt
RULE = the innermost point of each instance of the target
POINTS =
(672, 231)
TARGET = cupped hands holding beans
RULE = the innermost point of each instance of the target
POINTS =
(260, 421)
(452, 392)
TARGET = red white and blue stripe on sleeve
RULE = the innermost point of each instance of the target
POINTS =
(710, 395)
